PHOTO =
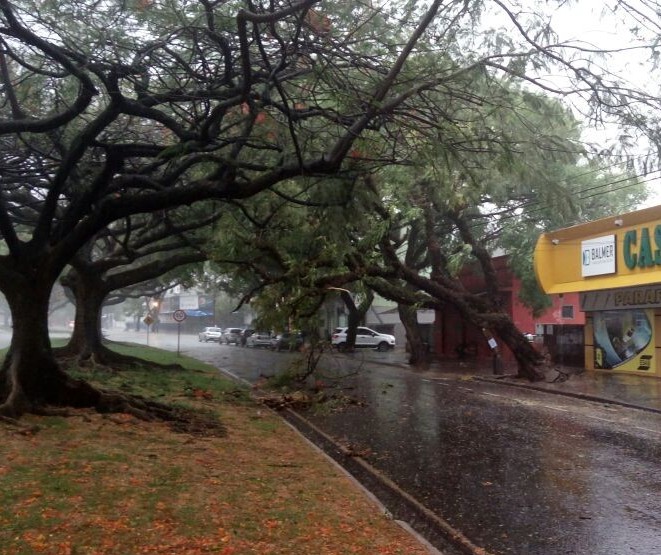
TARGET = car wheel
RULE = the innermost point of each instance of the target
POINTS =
(382, 347)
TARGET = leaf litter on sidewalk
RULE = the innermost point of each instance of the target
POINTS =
(91, 484)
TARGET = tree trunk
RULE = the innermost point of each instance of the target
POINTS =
(86, 340)
(356, 315)
(528, 359)
(353, 321)
(30, 377)
(31, 381)
(418, 349)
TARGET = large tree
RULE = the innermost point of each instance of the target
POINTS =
(126, 259)
(111, 111)
(408, 234)
(116, 109)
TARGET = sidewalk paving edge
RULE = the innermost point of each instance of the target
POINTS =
(451, 535)
(574, 394)
(362, 488)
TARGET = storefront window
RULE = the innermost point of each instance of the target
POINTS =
(623, 339)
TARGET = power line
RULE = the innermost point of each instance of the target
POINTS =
(597, 190)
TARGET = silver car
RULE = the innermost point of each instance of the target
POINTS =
(209, 334)
(231, 335)
(259, 339)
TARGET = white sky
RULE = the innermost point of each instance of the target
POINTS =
(584, 21)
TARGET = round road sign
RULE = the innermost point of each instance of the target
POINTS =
(179, 315)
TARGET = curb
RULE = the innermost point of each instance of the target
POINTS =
(400, 504)
(367, 493)
(295, 421)
(426, 526)
(573, 394)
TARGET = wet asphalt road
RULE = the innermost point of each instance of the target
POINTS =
(516, 471)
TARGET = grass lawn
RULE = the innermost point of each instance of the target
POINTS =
(112, 484)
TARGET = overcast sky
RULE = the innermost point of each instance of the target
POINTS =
(585, 21)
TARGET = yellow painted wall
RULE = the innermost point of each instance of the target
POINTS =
(557, 257)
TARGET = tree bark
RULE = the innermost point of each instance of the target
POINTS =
(419, 355)
(30, 377)
(356, 315)
(89, 293)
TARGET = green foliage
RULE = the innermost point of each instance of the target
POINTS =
(509, 168)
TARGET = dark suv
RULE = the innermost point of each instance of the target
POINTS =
(287, 341)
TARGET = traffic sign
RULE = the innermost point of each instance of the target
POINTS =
(179, 315)
(148, 320)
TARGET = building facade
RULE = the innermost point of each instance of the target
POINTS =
(558, 330)
(614, 265)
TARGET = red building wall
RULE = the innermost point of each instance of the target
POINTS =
(453, 337)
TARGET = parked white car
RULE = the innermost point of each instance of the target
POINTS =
(210, 334)
(366, 338)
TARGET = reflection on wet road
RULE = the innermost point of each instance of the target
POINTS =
(513, 476)
(516, 471)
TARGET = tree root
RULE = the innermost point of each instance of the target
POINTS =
(107, 359)
(25, 429)
(67, 394)
(178, 418)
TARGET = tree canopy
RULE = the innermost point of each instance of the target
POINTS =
(112, 110)
(520, 170)
(173, 104)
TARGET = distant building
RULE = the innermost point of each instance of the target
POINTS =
(559, 329)
(202, 310)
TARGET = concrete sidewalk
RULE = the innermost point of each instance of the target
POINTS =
(642, 392)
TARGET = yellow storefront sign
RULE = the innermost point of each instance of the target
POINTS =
(615, 252)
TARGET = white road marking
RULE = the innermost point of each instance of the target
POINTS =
(555, 408)
(602, 419)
